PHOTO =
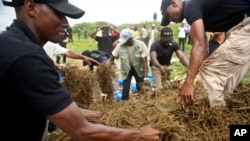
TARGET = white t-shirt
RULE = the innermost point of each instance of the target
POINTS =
(182, 32)
(53, 49)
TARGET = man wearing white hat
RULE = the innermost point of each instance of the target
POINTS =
(133, 55)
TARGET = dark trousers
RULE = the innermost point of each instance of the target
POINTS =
(145, 40)
(182, 43)
(127, 83)
(58, 58)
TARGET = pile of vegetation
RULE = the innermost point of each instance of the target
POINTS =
(197, 122)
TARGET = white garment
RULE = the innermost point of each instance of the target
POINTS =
(144, 32)
(152, 37)
(153, 34)
(182, 32)
(53, 49)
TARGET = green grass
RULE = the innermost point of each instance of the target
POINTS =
(82, 44)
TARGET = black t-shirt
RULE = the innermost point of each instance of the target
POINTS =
(217, 15)
(30, 88)
(164, 53)
(106, 43)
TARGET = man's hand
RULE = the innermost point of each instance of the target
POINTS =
(90, 60)
(146, 81)
(92, 116)
(187, 93)
(162, 69)
(149, 133)
(60, 67)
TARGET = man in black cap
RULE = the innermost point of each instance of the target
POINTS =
(223, 70)
(161, 52)
(31, 84)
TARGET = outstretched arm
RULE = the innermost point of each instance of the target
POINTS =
(155, 62)
(197, 55)
(72, 121)
(182, 58)
(75, 55)
(145, 66)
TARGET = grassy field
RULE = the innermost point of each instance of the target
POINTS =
(90, 44)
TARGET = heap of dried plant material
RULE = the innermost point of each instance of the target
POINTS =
(197, 122)
(106, 76)
(79, 82)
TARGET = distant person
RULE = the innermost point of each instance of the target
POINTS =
(104, 39)
(133, 55)
(30, 81)
(69, 31)
(188, 36)
(217, 39)
(85, 33)
(136, 33)
(182, 36)
(79, 33)
(155, 17)
(153, 32)
(63, 43)
(144, 34)
(161, 53)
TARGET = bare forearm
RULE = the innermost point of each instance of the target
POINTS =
(156, 63)
(197, 55)
(182, 58)
(74, 55)
(103, 133)
(145, 67)
(184, 61)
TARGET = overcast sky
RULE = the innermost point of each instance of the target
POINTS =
(113, 11)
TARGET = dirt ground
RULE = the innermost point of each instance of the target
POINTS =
(197, 122)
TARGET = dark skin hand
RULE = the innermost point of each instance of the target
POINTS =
(92, 116)
(87, 59)
(198, 54)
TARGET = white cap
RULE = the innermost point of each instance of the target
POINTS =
(125, 35)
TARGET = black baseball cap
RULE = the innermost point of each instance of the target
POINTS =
(165, 19)
(166, 34)
(62, 6)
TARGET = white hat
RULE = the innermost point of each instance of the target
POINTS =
(125, 35)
